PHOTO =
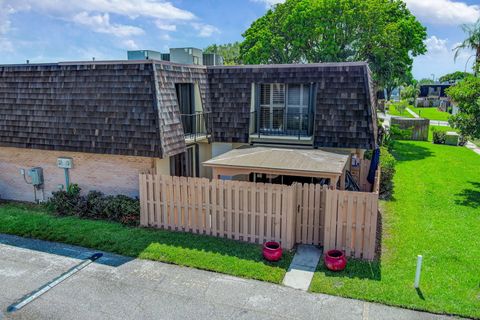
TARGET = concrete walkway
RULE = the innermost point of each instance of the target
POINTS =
(300, 273)
(120, 288)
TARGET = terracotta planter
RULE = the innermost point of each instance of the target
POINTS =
(272, 251)
(335, 260)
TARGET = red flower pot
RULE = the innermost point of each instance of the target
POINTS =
(272, 251)
(335, 260)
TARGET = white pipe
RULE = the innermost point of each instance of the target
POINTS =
(419, 270)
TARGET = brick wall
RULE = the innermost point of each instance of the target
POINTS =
(111, 174)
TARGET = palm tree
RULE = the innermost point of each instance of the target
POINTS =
(472, 42)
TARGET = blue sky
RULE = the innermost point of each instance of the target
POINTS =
(61, 30)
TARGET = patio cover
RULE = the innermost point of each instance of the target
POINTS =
(279, 161)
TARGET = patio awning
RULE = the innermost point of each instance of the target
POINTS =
(279, 161)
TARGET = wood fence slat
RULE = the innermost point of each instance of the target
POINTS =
(299, 212)
(236, 212)
(208, 217)
(221, 207)
(277, 215)
(151, 202)
(373, 228)
(305, 214)
(245, 212)
(360, 220)
(311, 212)
(214, 210)
(158, 201)
(229, 205)
(261, 216)
(333, 220)
(269, 235)
(349, 227)
(164, 202)
(199, 207)
(143, 199)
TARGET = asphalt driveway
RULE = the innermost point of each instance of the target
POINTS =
(116, 287)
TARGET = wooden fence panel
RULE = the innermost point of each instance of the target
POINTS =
(252, 212)
(351, 222)
(257, 212)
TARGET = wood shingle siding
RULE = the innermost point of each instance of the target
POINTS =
(95, 108)
(131, 108)
(345, 109)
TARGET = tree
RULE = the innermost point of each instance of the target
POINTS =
(466, 94)
(230, 52)
(472, 42)
(454, 77)
(425, 81)
(381, 32)
(410, 93)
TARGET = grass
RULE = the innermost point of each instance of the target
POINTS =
(203, 252)
(394, 112)
(436, 213)
(439, 128)
(431, 113)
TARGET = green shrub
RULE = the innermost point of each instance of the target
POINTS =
(439, 136)
(120, 208)
(387, 165)
(387, 171)
(67, 202)
(95, 205)
(401, 134)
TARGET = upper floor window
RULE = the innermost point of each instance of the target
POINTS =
(284, 108)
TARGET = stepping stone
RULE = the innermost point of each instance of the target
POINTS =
(302, 268)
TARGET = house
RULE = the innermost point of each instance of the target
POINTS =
(98, 124)
(433, 95)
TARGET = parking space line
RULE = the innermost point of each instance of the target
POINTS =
(22, 302)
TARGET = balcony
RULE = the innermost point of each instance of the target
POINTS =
(196, 126)
(280, 125)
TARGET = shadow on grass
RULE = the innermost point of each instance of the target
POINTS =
(469, 197)
(358, 269)
(404, 151)
(182, 248)
(420, 293)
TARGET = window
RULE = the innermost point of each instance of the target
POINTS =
(297, 107)
(185, 164)
(284, 109)
(272, 106)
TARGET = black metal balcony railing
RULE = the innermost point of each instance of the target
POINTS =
(280, 123)
(196, 126)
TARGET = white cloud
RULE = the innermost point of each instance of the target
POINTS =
(444, 12)
(436, 45)
(165, 26)
(205, 30)
(100, 15)
(101, 23)
(269, 3)
(439, 59)
(130, 44)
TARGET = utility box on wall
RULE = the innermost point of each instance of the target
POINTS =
(65, 163)
(36, 175)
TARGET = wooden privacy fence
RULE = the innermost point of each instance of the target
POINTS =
(253, 212)
(419, 127)
(257, 212)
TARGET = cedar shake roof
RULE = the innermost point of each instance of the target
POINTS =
(130, 107)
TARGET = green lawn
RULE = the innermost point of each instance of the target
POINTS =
(435, 213)
(431, 113)
(202, 252)
(394, 112)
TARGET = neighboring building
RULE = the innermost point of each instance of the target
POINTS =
(117, 118)
(433, 95)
